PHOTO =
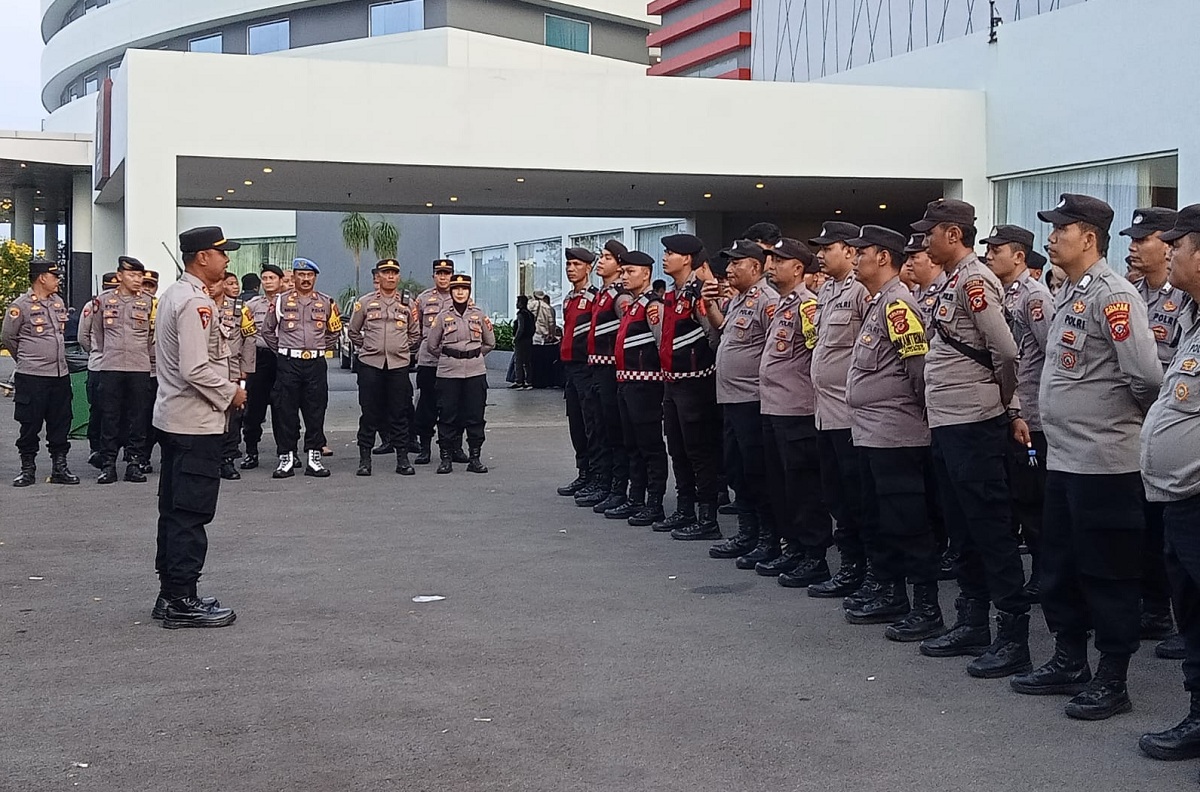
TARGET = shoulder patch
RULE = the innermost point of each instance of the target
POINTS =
(14, 312)
(357, 306)
(205, 315)
(771, 311)
(1117, 314)
(808, 323)
(905, 330)
(652, 313)
(1036, 310)
(976, 294)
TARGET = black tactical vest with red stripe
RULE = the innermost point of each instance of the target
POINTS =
(602, 335)
(577, 325)
(685, 351)
(636, 351)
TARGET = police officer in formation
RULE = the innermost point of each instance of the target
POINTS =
(460, 338)
(261, 380)
(592, 458)
(302, 327)
(240, 331)
(385, 327)
(122, 332)
(107, 283)
(430, 303)
(33, 332)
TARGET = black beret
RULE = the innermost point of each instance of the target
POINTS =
(684, 244)
(616, 248)
(636, 258)
(946, 210)
(1074, 208)
(278, 270)
(581, 254)
(129, 264)
(1147, 221)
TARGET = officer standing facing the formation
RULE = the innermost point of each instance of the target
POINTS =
(385, 328)
(1029, 308)
(640, 392)
(970, 381)
(1171, 471)
(194, 395)
(261, 381)
(1101, 376)
(610, 302)
(1149, 257)
(690, 416)
(33, 332)
(460, 339)
(886, 391)
(302, 328)
(240, 332)
(95, 459)
(841, 308)
(579, 391)
(430, 303)
(123, 333)
(743, 325)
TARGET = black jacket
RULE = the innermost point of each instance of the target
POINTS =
(524, 327)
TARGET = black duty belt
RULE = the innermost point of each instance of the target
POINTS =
(460, 354)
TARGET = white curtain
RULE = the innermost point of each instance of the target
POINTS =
(491, 281)
(649, 241)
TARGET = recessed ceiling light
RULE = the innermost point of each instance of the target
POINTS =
(662, 203)
(247, 182)
(268, 170)
(453, 198)
(883, 206)
(219, 198)
(708, 195)
(759, 186)
(429, 204)
(23, 165)
(520, 180)
(230, 191)
(39, 192)
(837, 211)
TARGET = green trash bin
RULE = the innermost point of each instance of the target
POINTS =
(80, 411)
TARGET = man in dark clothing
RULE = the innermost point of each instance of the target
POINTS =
(523, 345)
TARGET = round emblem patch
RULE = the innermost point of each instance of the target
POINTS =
(1079, 306)
(1181, 392)
(1068, 360)
(781, 346)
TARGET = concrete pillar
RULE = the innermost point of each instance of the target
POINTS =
(81, 284)
(50, 212)
(151, 215)
(22, 226)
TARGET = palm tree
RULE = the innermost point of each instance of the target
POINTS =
(385, 239)
(356, 236)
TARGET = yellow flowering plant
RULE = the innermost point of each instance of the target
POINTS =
(14, 270)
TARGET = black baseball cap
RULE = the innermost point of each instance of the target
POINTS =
(916, 244)
(636, 258)
(788, 248)
(878, 236)
(581, 254)
(945, 210)
(1074, 208)
(1035, 260)
(129, 264)
(195, 240)
(1003, 234)
(1147, 221)
(683, 244)
(1186, 222)
(745, 248)
(834, 231)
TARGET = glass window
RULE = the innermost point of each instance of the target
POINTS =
(595, 243)
(649, 241)
(713, 69)
(541, 268)
(213, 43)
(568, 34)
(113, 70)
(1124, 185)
(268, 37)
(91, 84)
(491, 280)
(255, 252)
(398, 17)
(459, 257)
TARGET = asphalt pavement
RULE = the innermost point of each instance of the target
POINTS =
(569, 652)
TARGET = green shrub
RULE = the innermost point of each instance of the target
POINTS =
(504, 336)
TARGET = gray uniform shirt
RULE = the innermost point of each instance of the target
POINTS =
(841, 307)
(1163, 306)
(430, 303)
(785, 382)
(385, 330)
(1171, 434)
(194, 389)
(927, 296)
(1101, 375)
(84, 336)
(123, 331)
(306, 323)
(466, 332)
(958, 390)
(258, 312)
(34, 333)
(1030, 309)
(741, 347)
(237, 325)
(886, 382)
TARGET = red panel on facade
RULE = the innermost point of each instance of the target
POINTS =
(656, 7)
(687, 60)
(707, 18)
(735, 74)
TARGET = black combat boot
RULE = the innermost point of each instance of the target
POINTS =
(133, 471)
(474, 463)
(60, 473)
(403, 466)
(1171, 649)
(460, 456)
(414, 445)
(426, 452)
(813, 569)
(632, 505)
(649, 514)
(364, 462)
(616, 497)
(1033, 589)
(766, 550)
(1181, 742)
(847, 580)
(867, 591)
(229, 470)
(447, 461)
(946, 568)
(250, 461)
(705, 526)
(383, 448)
(108, 473)
(742, 542)
(595, 492)
(923, 621)
(1009, 653)
(191, 611)
(575, 486)
(28, 474)
(96, 460)
(145, 466)
(1066, 673)
(969, 636)
(159, 611)
(793, 555)
(1156, 622)
(1106, 695)
(889, 604)
(683, 516)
